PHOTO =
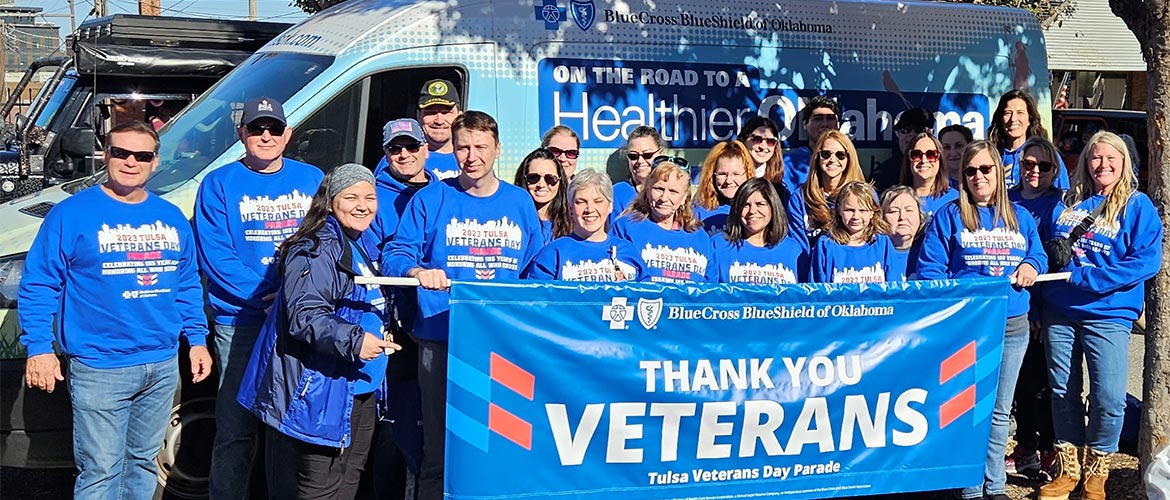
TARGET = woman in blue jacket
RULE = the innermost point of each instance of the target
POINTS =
(321, 353)
(984, 234)
(1090, 314)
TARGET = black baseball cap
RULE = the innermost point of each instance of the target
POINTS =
(262, 107)
(438, 92)
(915, 118)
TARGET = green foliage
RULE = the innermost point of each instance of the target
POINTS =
(1044, 10)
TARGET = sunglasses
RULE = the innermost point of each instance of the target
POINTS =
(1045, 166)
(571, 154)
(644, 156)
(930, 154)
(826, 154)
(677, 160)
(910, 130)
(122, 154)
(549, 179)
(258, 128)
(412, 148)
(769, 141)
(985, 169)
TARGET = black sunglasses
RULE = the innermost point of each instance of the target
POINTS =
(677, 160)
(397, 148)
(571, 154)
(549, 179)
(1045, 166)
(985, 169)
(258, 128)
(826, 154)
(122, 154)
(644, 156)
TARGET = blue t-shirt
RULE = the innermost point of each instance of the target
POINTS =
(743, 262)
(470, 237)
(373, 321)
(715, 220)
(570, 258)
(241, 218)
(908, 259)
(796, 163)
(1041, 208)
(1011, 163)
(931, 204)
(950, 250)
(443, 165)
(546, 232)
(670, 256)
(873, 262)
(119, 280)
(623, 196)
(1110, 264)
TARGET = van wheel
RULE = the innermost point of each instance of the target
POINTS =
(184, 462)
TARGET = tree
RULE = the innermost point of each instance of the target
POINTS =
(315, 6)
(1148, 19)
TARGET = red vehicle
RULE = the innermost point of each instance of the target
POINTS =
(1074, 127)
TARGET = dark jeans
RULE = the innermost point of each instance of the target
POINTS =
(321, 472)
(432, 381)
(1033, 402)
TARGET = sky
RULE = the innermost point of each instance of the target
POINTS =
(266, 10)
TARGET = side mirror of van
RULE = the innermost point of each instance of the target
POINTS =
(77, 146)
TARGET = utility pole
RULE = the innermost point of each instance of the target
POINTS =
(3, 66)
(149, 7)
(100, 8)
(72, 18)
(251, 10)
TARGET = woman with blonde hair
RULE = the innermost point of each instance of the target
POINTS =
(856, 249)
(661, 224)
(984, 234)
(1090, 314)
(834, 164)
(728, 165)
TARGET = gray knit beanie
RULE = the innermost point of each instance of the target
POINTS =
(347, 175)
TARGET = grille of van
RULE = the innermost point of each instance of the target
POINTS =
(39, 210)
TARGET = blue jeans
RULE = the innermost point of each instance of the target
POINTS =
(119, 420)
(1105, 346)
(236, 429)
(1015, 344)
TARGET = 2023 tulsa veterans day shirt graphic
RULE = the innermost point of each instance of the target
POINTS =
(265, 219)
(484, 247)
(149, 252)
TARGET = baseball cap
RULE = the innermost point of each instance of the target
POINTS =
(402, 127)
(262, 107)
(438, 91)
(915, 118)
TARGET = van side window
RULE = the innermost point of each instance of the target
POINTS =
(332, 135)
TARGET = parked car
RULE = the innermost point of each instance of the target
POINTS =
(1074, 127)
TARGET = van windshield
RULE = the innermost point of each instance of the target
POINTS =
(55, 100)
(207, 128)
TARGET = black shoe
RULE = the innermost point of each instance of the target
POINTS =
(997, 496)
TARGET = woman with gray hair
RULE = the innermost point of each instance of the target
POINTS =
(321, 354)
(588, 253)
(903, 212)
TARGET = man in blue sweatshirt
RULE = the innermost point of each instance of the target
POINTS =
(438, 107)
(471, 227)
(243, 212)
(113, 269)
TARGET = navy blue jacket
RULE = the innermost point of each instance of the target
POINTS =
(299, 379)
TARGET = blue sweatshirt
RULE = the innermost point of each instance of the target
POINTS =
(623, 196)
(1011, 163)
(546, 231)
(796, 212)
(120, 281)
(373, 319)
(570, 258)
(670, 256)
(1042, 209)
(713, 220)
(796, 163)
(908, 260)
(443, 165)
(1110, 266)
(873, 262)
(931, 204)
(950, 251)
(469, 237)
(742, 262)
(241, 218)
(393, 195)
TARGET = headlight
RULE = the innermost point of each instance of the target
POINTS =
(11, 268)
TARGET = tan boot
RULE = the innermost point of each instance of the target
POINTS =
(1068, 474)
(1096, 473)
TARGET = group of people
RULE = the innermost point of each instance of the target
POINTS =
(332, 377)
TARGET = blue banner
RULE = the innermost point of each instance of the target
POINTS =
(720, 391)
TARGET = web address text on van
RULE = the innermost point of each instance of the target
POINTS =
(717, 21)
